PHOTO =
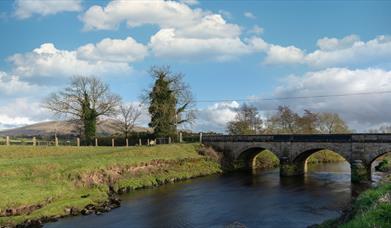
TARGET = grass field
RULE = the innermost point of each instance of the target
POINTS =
(63, 177)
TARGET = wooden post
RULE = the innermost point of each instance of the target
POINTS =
(139, 142)
(148, 142)
(200, 137)
(127, 142)
(56, 141)
(96, 141)
(180, 137)
(34, 141)
(7, 140)
(78, 142)
(169, 140)
(112, 142)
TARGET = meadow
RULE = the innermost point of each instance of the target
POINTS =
(41, 182)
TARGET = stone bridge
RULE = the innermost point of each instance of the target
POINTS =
(360, 150)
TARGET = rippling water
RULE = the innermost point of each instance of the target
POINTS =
(261, 199)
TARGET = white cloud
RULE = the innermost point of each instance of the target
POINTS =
(108, 56)
(249, 15)
(136, 13)
(278, 54)
(27, 8)
(216, 116)
(333, 52)
(360, 111)
(184, 32)
(20, 112)
(11, 85)
(166, 14)
(166, 43)
(113, 50)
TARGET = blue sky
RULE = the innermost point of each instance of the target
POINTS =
(226, 49)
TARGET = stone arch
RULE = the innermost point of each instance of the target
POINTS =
(247, 154)
(378, 153)
(302, 157)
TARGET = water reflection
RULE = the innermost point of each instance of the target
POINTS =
(261, 199)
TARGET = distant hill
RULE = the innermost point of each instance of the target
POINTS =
(104, 128)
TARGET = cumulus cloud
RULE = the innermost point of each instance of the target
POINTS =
(113, 50)
(333, 52)
(166, 43)
(11, 85)
(278, 54)
(360, 111)
(216, 116)
(184, 32)
(108, 56)
(20, 112)
(136, 13)
(27, 8)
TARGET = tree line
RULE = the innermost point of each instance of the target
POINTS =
(88, 100)
(248, 121)
(170, 103)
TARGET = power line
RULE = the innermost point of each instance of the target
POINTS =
(295, 97)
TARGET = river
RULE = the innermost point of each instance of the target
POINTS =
(260, 199)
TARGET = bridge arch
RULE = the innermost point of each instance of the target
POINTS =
(246, 156)
(304, 155)
(378, 153)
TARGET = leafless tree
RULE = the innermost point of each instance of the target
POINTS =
(127, 118)
(330, 123)
(84, 101)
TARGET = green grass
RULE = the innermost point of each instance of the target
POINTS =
(57, 177)
(371, 209)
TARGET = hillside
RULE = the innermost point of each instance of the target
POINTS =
(106, 127)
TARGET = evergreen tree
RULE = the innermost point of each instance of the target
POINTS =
(170, 102)
(162, 107)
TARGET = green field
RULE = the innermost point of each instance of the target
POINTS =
(63, 177)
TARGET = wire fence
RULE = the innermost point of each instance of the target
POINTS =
(117, 141)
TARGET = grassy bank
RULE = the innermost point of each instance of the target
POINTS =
(371, 209)
(48, 181)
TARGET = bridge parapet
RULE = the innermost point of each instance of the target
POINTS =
(381, 138)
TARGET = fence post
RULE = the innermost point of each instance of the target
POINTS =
(34, 141)
(200, 137)
(96, 141)
(112, 142)
(148, 142)
(78, 142)
(56, 141)
(7, 140)
(139, 142)
(169, 140)
(127, 142)
(180, 137)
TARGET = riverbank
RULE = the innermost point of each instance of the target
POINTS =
(51, 182)
(372, 208)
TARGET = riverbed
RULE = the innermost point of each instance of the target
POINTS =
(258, 199)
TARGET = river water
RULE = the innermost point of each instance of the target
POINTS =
(259, 199)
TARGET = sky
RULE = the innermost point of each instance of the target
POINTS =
(227, 50)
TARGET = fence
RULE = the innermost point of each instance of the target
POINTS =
(132, 140)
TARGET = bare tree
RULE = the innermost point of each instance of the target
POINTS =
(84, 101)
(331, 123)
(247, 121)
(127, 118)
